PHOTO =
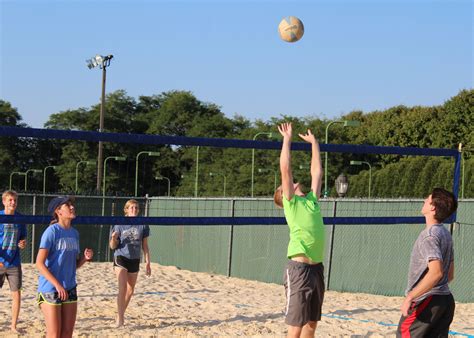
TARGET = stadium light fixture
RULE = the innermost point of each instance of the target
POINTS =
(149, 153)
(269, 135)
(345, 123)
(370, 171)
(103, 62)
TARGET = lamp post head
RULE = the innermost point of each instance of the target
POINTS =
(342, 185)
(356, 162)
(351, 123)
(153, 153)
(120, 158)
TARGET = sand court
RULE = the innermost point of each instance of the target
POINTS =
(184, 303)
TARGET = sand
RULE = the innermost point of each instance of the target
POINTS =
(174, 302)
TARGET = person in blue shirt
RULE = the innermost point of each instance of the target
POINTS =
(127, 241)
(57, 260)
(12, 239)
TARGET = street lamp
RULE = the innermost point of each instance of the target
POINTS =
(463, 160)
(225, 178)
(116, 158)
(197, 173)
(342, 184)
(269, 135)
(345, 123)
(103, 62)
(261, 170)
(77, 172)
(165, 178)
(34, 171)
(149, 153)
(44, 176)
(15, 173)
(370, 171)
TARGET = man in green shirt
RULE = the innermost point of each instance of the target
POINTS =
(304, 278)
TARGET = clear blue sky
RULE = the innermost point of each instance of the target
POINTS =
(355, 54)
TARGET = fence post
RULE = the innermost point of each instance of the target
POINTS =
(33, 226)
(231, 238)
(331, 244)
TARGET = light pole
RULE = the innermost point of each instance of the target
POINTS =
(463, 160)
(149, 153)
(34, 171)
(77, 172)
(197, 173)
(165, 178)
(44, 177)
(225, 178)
(269, 135)
(15, 173)
(342, 184)
(370, 171)
(345, 123)
(116, 158)
(261, 170)
(103, 62)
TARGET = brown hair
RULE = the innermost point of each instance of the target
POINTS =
(12, 193)
(278, 197)
(445, 203)
(128, 204)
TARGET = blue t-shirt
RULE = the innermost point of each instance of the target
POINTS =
(10, 235)
(63, 250)
(130, 239)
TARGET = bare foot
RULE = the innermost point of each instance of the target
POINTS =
(15, 330)
(118, 323)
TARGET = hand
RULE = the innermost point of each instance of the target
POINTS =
(308, 137)
(406, 306)
(62, 293)
(22, 244)
(148, 270)
(115, 235)
(286, 130)
(88, 254)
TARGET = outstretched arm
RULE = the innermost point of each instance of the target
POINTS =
(316, 168)
(286, 131)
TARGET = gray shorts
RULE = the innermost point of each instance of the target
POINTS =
(304, 289)
(13, 275)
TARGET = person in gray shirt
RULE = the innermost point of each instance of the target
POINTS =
(428, 308)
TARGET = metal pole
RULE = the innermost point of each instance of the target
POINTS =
(33, 226)
(331, 245)
(231, 239)
(197, 173)
(253, 164)
(101, 129)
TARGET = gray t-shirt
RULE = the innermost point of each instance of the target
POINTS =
(434, 243)
(130, 239)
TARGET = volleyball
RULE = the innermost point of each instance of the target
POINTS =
(291, 29)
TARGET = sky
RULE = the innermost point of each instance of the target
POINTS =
(354, 55)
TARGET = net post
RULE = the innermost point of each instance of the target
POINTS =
(331, 243)
(33, 231)
(231, 239)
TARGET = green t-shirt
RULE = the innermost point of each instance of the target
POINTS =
(306, 227)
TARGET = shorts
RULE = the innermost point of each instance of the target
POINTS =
(52, 298)
(304, 289)
(131, 265)
(430, 317)
(14, 276)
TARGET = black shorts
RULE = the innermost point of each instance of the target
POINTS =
(304, 289)
(52, 298)
(131, 265)
(430, 317)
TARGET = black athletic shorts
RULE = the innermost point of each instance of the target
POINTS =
(430, 317)
(304, 289)
(131, 265)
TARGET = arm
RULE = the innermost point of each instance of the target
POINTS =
(43, 270)
(431, 278)
(316, 167)
(451, 272)
(88, 254)
(114, 240)
(23, 234)
(146, 255)
(285, 130)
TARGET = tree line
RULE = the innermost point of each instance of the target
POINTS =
(180, 113)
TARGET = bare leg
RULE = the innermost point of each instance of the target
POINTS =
(52, 316)
(68, 319)
(121, 297)
(131, 282)
(309, 330)
(16, 302)
(294, 331)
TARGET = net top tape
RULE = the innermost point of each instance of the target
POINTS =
(93, 136)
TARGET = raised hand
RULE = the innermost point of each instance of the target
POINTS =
(88, 254)
(22, 243)
(285, 130)
(308, 137)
